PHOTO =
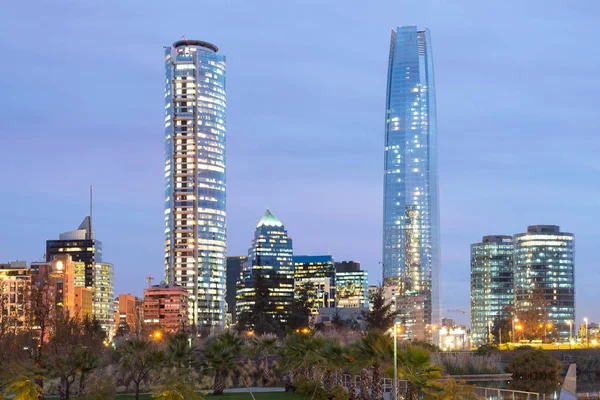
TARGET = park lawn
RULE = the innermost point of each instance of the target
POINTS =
(230, 396)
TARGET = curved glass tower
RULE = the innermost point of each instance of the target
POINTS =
(195, 218)
(411, 238)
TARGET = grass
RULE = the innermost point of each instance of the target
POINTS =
(230, 396)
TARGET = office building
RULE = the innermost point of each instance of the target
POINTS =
(234, 270)
(166, 307)
(195, 217)
(411, 227)
(89, 270)
(351, 284)
(316, 274)
(126, 314)
(15, 286)
(545, 260)
(270, 261)
(492, 284)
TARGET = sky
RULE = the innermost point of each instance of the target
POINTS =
(516, 81)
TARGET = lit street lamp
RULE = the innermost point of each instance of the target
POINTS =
(397, 323)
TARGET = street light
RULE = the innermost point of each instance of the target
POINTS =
(513, 328)
(490, 332)
(397, 323)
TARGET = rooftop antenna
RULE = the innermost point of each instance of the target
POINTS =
(184, 38)
(149, 279)
(90, 234)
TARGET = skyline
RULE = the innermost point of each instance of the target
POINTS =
(500, 107)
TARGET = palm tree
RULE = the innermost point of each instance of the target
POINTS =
(180, 350)
(372, 352)
(220, 353)
(414, 366)
(331, 361)
(264, 347)
(139, 357)
(299, 354)
(449, 389)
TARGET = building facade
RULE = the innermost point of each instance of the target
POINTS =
(126, 315)
(234, 270)
(195, 217)
(270, 261)
(166, 307)
(492, 284)
(317, 275)
(15, 286)
(411, 227)
(545, 259)
(352, 285)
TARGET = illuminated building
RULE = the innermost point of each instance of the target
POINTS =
(270, 260)
(411, 243)
(89, 270)
(234, 269)
(351, 284)
(195, 217)
(453, 338)
(492, 284)
(545, 258)
(318, 274)
(126, 317)
(166, 307)
(15, 285)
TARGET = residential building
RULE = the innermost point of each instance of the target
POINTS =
(89, 270)
(166, 307)
(352, 285)
(126, 313)
(492, 284)
(234, 270)
(270, 261)
(195, 217)
(411, 222)
(545, 259)
(15, 286)
(317, 275)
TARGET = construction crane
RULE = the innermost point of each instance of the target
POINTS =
(149, 279)
(460, 311)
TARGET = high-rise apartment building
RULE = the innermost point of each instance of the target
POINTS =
(89, 271)
(411, 227)
(234, 269)
(545, 259)
(166, 307)
(15, 285)
(352, 285)
(492, 284)
(317, 275)
(195, 217)
(270, 261)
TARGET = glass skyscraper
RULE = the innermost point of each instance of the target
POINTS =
(492, 284)
(411, 227)
(271, 259)
(545, 259)
(195, 218)
(351, 285)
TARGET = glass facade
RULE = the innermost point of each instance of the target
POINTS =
(352, 285)
(195, 218)
(492, 285)
(318, 273)
(271, 257)
(545, 258)
(411, 237)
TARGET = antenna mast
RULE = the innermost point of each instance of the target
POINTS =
(91, 203)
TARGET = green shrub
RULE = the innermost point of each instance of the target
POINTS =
(534, 364)
(486, 349)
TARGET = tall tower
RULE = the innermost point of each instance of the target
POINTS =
(411, 227)
(195, 218)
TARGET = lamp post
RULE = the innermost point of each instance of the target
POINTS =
(513, 328)
(587, 338)
(397, 323)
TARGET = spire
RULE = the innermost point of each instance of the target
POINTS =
(269, 220)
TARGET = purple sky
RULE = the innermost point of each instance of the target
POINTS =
(517, 89)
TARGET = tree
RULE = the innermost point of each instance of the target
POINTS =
(220, 353)
(502, 324)
(20, 381)
(331, 356)
(263, 347)
(371, 352)
(337, 321)
(534, 314)
(260, 318)
(138, 358)
(299, 317)
(414, 366)
(380, 317)
(299, 354)
(179, 351)
(449, 389)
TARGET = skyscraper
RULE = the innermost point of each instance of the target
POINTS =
(351, 284)
(492, 284)
(234, 268)
(411, 228)
(195, 218)
(270, 261)
(545, 260)
(317, 275)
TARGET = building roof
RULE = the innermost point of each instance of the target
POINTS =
(269, 220)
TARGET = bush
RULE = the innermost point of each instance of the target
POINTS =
(99, 388)
(468, 363)
(313, 390)
(534, 364)
(486, 349)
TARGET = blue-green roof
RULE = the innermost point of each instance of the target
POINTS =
(269, 220)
